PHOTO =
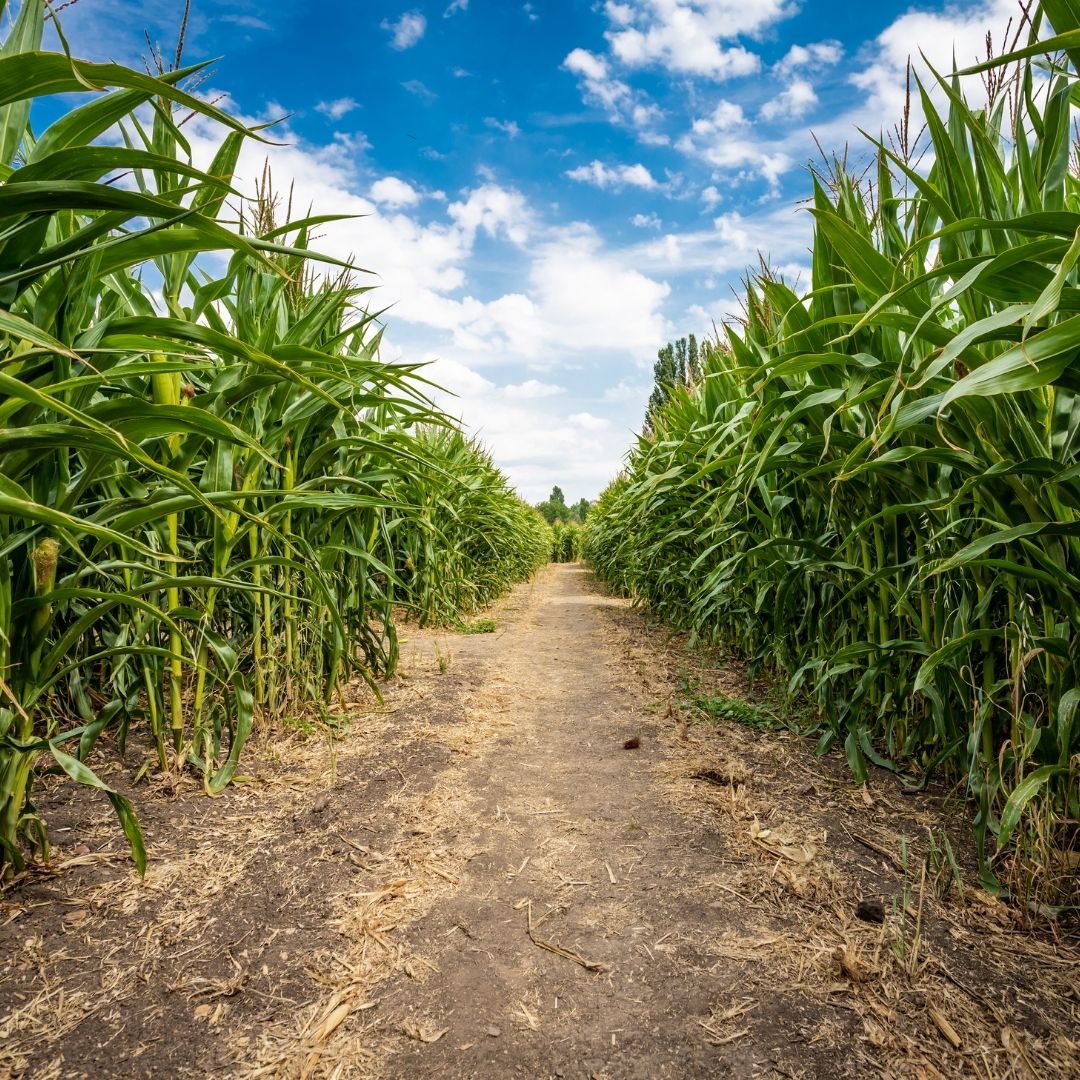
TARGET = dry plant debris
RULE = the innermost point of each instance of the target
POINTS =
(475, 879)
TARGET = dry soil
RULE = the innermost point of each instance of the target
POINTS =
(488, 877)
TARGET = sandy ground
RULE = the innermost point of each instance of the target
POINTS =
(480, 879)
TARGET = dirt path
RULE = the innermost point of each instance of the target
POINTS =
(478, 880)
(571, 836)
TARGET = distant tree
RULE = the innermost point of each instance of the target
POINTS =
(677, 364)
(554, 508)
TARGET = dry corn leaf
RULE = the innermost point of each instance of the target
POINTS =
(848, 960)
(528, 1017)
(331, 1022)
(943, 1025)
(421, 1033)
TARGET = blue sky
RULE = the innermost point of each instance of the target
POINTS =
(551, 190)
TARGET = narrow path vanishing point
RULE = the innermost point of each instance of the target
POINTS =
(672, 936)
(573, 839)
(480, 881)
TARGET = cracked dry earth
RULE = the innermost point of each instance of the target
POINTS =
(480, 880)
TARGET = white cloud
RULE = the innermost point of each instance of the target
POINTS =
(817, 55)
(726, 116)
(685, 36)
(734, 241)
(588, 422)
(711, 196)
(725, 140)
(337, 108)
(533, 388)
(509, 127)
(457, 378)
(405, 31)
(645, 115)
(600, 88)
(794, 101)
(248, 22)
(393, 192)
(595, 298)
(616, 177)
(700, 318)
(733, 233)
(420, 90)
(495, 210)
(619, 14)
(626, 392)
(455, 7)
(646, 221)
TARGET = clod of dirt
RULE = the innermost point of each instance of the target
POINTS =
(870, 910)
(632, 744)
(494, 1032)
(321, 804)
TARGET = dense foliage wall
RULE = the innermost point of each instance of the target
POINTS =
(874, 492)
(213, 493)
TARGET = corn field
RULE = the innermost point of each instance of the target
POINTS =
(213, 493)
(568, 537)
(872, 494)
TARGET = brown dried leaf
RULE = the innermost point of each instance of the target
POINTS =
(422, 1034)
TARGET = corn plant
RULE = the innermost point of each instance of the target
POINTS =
(476, 536)
(566, 541)
(873, 494)
(206, 479)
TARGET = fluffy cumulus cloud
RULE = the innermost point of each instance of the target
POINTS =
(689, 37)
(596, 298)
(614, 176)
(533, 388)
(495, 210)
(603, 90)
(337, 108)
(793, 102)
(598, 83)
(724, 139)
(393, 192)
(568, 300)
(406, 30)
(722, 250)
(819, 54)
(587, 422)
(799, 64)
